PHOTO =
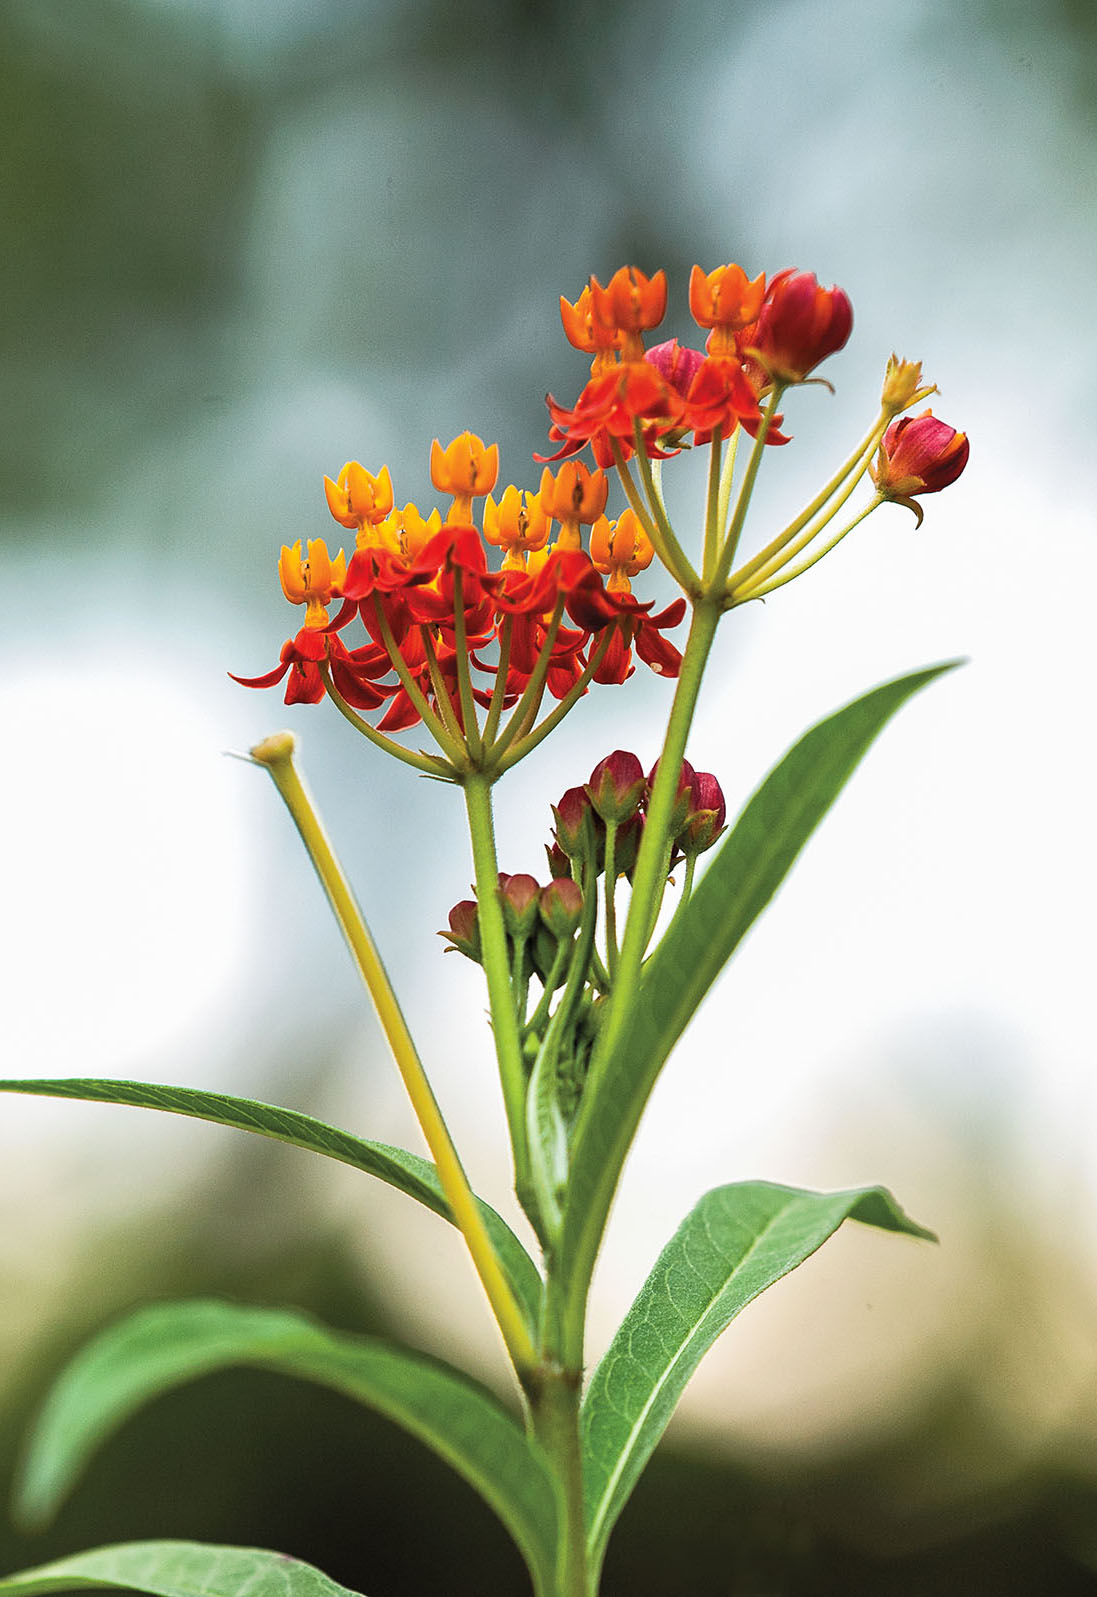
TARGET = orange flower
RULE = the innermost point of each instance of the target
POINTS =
(466, 468)
(585, 332)
(312, 579)
(357, 497)
(620, 549)
(629, 303)
(518, 524)
(576, 494)
(727, 301)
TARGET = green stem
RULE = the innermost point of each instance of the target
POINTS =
(610, 888)
(649, 877)
(727, 476)
(438, 682)
(464, 672)
(672, 554)
(429, 764)
(566, 1297)
(858, 459)
(554, 717)
(713, 523)
(493, 946)
(499, 691)
(453, 749)
(742, 503)
(276, 754)
(758, 588)
(650, 526)
(525, 710)
(555, 1416)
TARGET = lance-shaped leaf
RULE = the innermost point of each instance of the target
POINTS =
(406, 1171)
(736, 1242)
(177, 1569)
(168, 1344)
(746, 871)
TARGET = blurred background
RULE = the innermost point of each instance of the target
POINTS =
(247, 240)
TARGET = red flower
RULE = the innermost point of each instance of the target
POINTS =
(720, 397)
(352, 670)
(609, 408)
(799, 325)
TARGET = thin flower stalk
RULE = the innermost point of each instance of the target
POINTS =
(276, 755)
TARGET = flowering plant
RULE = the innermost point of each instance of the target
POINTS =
(592, 975)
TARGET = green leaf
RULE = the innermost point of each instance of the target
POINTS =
(736, 1242)
(168, 1344)
(177, 1569)
(405, 1171)
(746, 871)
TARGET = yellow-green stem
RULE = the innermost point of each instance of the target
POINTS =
(746, 488)
(650, 526)
(672, 554)
(858, 459)
(757, 589)
(452, 748)
(276, 754)
(428, 764)
(713, 524)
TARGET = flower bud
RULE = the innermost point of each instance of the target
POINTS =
(617, 786)
(705, 819)
(628, 840)
(799, 325)
(684, 797)
(676, 364)
(519, 896)
(902, 380)
(464, 929)
(918, 455)
(561, 906)
(558, 863)
(577, 826)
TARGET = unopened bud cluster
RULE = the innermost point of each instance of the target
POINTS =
(552, 930)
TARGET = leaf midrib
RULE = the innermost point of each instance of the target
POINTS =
(626, 1452)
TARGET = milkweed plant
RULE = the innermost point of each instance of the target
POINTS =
(478, 628)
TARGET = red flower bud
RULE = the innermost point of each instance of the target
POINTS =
(558, 863)
(799, 325)
(464, 929)
(519, 896)
(705, 819)
(617, 786)
(683, 801)
(629, 838)
(577, 826)
(676, 364)
(561, 905)
(918, 455)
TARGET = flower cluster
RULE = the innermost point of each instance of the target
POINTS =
(441, 626)
(758, 335)
(466, 625)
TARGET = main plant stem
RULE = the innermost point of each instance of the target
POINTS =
(555, 1406)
